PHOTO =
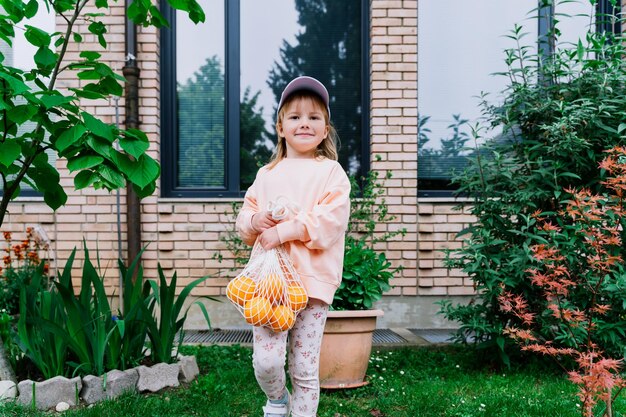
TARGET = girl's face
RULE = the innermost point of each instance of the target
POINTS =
(303, 127)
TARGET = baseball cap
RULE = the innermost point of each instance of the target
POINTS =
(305, 83)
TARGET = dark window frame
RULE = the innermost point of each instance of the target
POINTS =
(545, 23)
(169, 120)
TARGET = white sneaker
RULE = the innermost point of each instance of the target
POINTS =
(277, 410)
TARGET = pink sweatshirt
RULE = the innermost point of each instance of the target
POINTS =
(319, 191)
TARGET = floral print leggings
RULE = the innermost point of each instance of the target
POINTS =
(305, 340)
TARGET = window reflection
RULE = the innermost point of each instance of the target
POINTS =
(303, 37)
(200, 98)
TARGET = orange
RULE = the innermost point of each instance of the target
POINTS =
(282, 319)
(297, 297)
(258, 311)
(272, 288)
(240, 290)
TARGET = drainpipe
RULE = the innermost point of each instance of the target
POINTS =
(131, 73)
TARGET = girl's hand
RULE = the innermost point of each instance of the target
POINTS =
(262, 221)
(269, 239)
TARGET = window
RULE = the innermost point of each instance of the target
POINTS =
(455, 61)
(221, 82)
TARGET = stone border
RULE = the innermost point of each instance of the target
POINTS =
(61, 393)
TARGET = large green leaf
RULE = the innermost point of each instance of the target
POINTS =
(191, 6)
(81, 162)
(36, 36)
(98, 127)
(22, 113)
(102, 146)
(9, 151)
(141, 172)
(45, 58)
(134, 143)
(15, 84)
(111, 175)
(31, 9)
(84, 179)
(69, 137)
(54, 99)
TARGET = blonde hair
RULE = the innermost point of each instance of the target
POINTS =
(326, 149)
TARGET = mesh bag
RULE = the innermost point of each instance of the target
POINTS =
(268, 292)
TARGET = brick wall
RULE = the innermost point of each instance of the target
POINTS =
(393, 108)
(184, 235)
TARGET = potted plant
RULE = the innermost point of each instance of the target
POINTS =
(350, 325)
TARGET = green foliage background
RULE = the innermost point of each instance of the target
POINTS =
(559, 115)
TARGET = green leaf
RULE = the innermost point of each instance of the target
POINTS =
(9, 151)
(59, 41)
(84, 162)
(133, 145)
(98, 29)
(54, 99)
(22, 113)
(191, 6)
(157, 18)
(55, 196)
(84, 179)
(77, 37)
(110, 86)
(69, 137)
(580, 51)
(101, 146)
(89, 74)
(45, 58)
(37, 37)
(137, 12)
(141, 172)
(102, 4)
(85, 93)
(31, 9)
(112, 176)
(15, 84)
(98, 127)
(90, 55)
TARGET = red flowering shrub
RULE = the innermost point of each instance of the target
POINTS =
(579, 270)
(20, 262)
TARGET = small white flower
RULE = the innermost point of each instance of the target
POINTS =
(401, 372)
(482, 405)
(458, 366)
(392, 390)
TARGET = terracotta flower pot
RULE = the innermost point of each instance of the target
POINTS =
(346, 348)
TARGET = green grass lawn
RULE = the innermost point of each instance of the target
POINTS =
(434, 381)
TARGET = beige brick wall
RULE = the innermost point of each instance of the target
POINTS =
(184, 235)
(393, 75)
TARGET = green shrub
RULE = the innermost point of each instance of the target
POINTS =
(62, 332)
(557, 120)
(366, 270)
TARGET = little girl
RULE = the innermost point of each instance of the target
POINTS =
(304, 172)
